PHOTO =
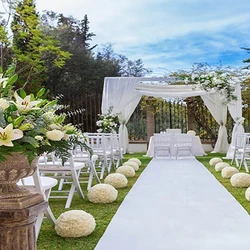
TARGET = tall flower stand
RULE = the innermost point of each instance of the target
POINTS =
(17, 221)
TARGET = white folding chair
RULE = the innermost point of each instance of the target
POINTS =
(43, 185)
(245, 152)
(88, 173)
(183, 145)
(173, 131)
(117, 150)
(238, 144)
(69, 171)
(98, 143)
(162, 145)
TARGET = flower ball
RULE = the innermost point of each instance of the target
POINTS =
(247, 194)
(214, 161)
(102, 193)
(132, 164)
(219, 166)
(135, 160)
(191, 132)
(228, 172)
(74, 224)
(126, 170)
(240, 180)
(117, 180)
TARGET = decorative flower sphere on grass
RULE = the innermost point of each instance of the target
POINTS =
(74, 224)
(132, 164)
(228, 172)
(214, 161)
(247, 194)
(219, 166)
(126, 170)
(102, 193)
(191, 132)
(240, 180)
(117, 180)
(136, 161)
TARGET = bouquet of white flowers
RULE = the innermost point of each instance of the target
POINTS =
(29, 123)
(108, 123)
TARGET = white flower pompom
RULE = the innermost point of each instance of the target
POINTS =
(240, 180)
(74, 224)
(219, 166)
(135, 160)
(126, 170)
(214, 161)
(247, 194)
(228, 172)
(132, 164)
(102, 193)
(191, 132)
(117, 180)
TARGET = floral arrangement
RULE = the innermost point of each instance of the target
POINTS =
(116, 180)
(75, 224)
(126, 170)
(216, 79)
(29, 123)
(108, 123)
(102, 193)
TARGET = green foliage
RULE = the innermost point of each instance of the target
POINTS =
(33, 49)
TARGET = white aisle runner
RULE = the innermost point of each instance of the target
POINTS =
(178, 205)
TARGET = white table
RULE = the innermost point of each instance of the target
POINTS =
(197, 149)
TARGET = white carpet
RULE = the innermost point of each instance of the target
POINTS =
(178, 205)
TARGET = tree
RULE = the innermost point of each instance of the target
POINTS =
(34, 51)
(247, 60)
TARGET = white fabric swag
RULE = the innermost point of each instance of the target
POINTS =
(124, 94)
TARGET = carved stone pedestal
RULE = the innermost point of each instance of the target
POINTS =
(17, 221)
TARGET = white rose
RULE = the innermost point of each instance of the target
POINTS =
(4, 104)
(55, 135)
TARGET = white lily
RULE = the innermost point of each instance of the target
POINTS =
(24, 104)
(8, 135)
(3, 80)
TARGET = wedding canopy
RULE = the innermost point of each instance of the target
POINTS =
(124, 94)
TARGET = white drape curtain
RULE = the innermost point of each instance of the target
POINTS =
(124, 94)
(120, 93)
(219, 112)
(235, 110)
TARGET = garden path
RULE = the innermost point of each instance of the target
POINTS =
(178, 205)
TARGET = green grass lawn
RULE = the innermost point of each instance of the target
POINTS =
(103, 213)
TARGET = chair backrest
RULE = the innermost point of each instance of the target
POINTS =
(162, 140)
(239, 140)
(246, 142)
(183, 140)
(173, 131)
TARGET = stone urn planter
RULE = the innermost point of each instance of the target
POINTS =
(12, 170)
(18, 206)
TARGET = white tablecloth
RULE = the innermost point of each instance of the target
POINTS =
(197, 148)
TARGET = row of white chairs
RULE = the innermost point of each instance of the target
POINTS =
(81, 167)
(241, 150)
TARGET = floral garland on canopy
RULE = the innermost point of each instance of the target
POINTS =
(29, 123)
(218, 79)
(108, 122)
